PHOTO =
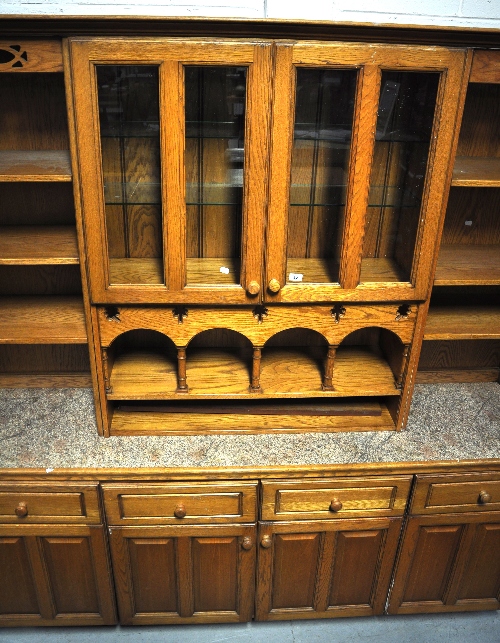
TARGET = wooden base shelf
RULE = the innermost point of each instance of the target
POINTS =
(218, 374)
(42, 320)
(130, 420)
(475, 171)
(463, 322)
(150, 271)
(468, 265)
(29, 166)
(457, 375)
(38, 245)
(45, 380)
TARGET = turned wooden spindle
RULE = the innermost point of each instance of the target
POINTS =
(399, 379)
(257, 354)
(330, 360)
(182, 386)
(105, 369)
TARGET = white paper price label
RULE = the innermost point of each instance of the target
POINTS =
(295, 276)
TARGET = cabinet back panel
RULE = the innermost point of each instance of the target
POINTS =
(472, 217)
(44, 358)
(459, 354)
(33, 112)
(40, 280)
(41, 204)
(480, 132)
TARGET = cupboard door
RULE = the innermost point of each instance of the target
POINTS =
(56, 576)
(448, 563)
(184, 574)
(361, 140)
(322, 570)
(174, 202)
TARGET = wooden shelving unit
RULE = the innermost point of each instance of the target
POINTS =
(40, 165)
(462, 322)
(474, 171)
(38, 245)
(468, 265)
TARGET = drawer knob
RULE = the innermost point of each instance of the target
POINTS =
(180, 511)
(22, 510)
(247, 543)
(484, 497)
(335, 505)
(266, 542)
(274, 285)
(253, 288)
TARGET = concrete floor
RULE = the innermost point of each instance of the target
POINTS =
(482, 627)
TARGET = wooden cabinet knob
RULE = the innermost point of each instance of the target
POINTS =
(335, 505)
(247, 543)
(253, 288)
(22, 510)
(274, 285)
(180, 511)
(266, 542)
(484, 497)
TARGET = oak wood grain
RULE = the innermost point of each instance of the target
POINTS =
(47, 165)
(35, 245)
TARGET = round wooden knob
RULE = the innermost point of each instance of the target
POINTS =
(22, 510)
(266, 542)
(484, 497)
(335, 505)
(274, 285)
(247, 543)
(253, 288)
(180, 511)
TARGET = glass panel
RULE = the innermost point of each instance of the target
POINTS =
(215, 133)
(130, 141)
(404, 128)
(324, 109)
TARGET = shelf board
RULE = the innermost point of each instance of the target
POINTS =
(462, 322)
(468, 265)
(476, 171)
(42, 320)
(222, 374)
(380, 269)
(45, 165)
(38, 245)
(457, 375)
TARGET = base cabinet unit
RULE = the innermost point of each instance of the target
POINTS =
(53, 556)
(450, 553)
(325, 569)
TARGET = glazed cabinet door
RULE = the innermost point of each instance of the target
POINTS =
(448, 563)
(361, 141)
(57, 575)
(325, 569)
(172, 140)
(185, 574)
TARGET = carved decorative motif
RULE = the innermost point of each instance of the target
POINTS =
(12, 56)
(179, 312)
(112, 313)
(338, 311)
(260, 313)
(403, 312)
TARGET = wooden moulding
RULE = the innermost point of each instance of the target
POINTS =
(31, 56)
(39, 165)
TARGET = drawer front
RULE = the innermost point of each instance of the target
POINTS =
(24, 503)
(456, 493)
(330, 498)
(163, 503)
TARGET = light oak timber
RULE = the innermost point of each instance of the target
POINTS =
(28, 166)
(50, 380)
(463, 322)
(485, 67)
(242, 320)
(467, 265)
(42, 320)
(474, 171)
(127, 422)
(33, 56)
(38, 245)
(451, 375)
(285, 373)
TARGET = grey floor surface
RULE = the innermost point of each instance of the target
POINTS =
(482, 627)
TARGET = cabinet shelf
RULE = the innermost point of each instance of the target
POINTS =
(214, 374)
(29, 166)
(463, 322)
(38, 245)
(475, 171)
(468, 265)
(42, 320)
